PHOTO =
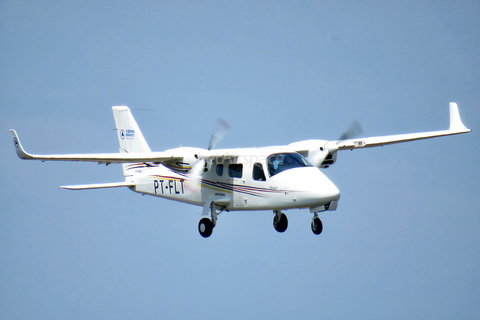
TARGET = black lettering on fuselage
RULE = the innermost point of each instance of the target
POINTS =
(172, 184)
(175, 185)
(156, 185)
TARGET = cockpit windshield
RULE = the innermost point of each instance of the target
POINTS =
(279, 162)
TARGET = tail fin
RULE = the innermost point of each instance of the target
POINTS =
(129, 135)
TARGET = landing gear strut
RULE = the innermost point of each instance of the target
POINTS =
(280, 221)
(316, 225)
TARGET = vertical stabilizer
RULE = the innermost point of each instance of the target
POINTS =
(129, 135)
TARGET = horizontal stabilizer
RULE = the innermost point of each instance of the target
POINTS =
(99, 185)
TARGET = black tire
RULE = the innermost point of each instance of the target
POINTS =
(205, 227)
(317, 226)
(282, 224)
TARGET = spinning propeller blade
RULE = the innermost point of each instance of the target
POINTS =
(198, 168)
(220, 132)
(353, 131)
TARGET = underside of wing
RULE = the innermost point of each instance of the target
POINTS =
(386, 140)
(155, 157)
(456, 127)
(99, 185)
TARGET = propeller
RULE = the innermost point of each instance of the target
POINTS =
(220, 132)
(353, 131)
(198, 168)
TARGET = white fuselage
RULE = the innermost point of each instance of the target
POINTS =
(241, 181)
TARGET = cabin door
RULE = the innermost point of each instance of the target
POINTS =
(235, 178)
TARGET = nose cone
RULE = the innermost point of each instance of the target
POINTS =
(324, 189)
(309, 186)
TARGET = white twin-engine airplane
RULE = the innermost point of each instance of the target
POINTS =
(269, 178)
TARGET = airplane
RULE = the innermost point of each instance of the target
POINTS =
(274, 178)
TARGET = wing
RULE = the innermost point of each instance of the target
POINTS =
(323, 153)
(155, 157)
(99, 185)
(456, 127)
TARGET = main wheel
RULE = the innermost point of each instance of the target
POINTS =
(280, 222)
(317, 225)
(205, 227)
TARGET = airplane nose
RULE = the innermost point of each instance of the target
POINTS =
(328, 190)
(313, 188)
(334, 192)
(326, 194)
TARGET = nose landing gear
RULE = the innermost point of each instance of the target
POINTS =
(316, 225)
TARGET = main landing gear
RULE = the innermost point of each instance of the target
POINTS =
(280, 222)
(206, 225)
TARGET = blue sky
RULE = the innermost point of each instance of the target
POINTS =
(404, 241)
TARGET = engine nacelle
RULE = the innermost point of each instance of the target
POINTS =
(192, 161)
(330, 159)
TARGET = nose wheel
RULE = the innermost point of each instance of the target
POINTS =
(316, 224)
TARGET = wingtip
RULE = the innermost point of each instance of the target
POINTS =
(456, 123)
(21, 153)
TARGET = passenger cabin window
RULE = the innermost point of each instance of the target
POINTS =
(258, 173)
(279, 162)
(235, 170)
(219, 170)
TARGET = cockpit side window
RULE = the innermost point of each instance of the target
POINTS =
(258, 173)
(219, 169)
(279, 162)
(235, 170)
